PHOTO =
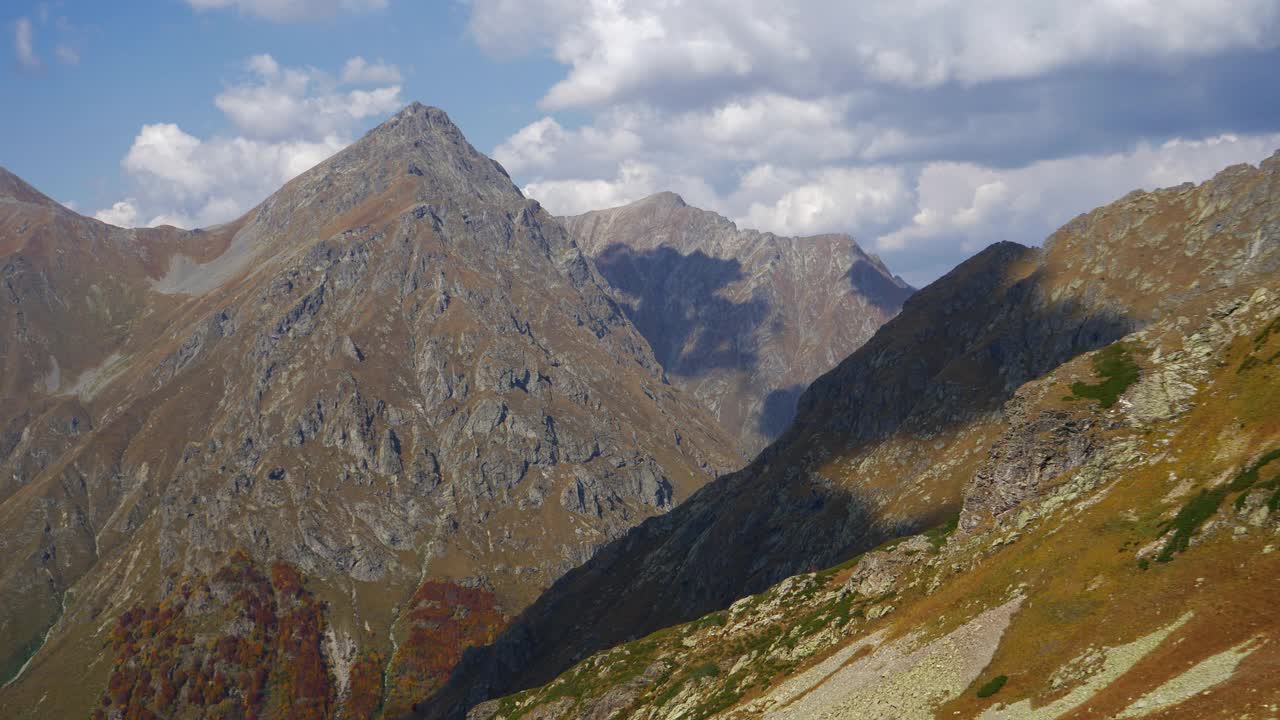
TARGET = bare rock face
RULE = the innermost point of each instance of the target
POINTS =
(743, 320)
(877, 572)
(1031, 453)
(396, 368)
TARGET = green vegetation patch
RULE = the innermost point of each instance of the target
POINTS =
(717, 619)
(1205, 505)
(1249, 476)
(1189, 519)
(1114, 365)
(1272, 328)
(1273, 502)
(992, 686)
(28, 651)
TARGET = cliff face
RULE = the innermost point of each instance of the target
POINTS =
(396, 371)
(742, 320)
(914, 426)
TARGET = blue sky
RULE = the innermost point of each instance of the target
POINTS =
(927, 129)
(161, 61)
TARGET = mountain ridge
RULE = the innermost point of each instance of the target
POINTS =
(741, 319)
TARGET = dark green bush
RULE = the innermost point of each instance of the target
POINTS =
(1189, 519)
(992, 686)
(1117, 370)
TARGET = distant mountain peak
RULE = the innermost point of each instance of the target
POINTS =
(666, 198)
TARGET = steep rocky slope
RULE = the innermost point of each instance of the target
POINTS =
(743, 320)
(395, 387)
(1115, 558)
(899, 437)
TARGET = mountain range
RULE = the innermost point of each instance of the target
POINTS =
(398, 442)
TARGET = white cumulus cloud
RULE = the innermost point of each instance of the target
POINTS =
(623, 49)
(856, 200)
(287, 120)
(282, 103)
(929, 128)
(357, 70)
(633, 181)
(122, 213)
(67, 55)
(968, 206)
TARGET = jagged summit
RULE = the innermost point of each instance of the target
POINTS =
(418, 155)
(419, 128)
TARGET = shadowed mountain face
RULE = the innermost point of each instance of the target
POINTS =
(397, 379)
(886, 442)
(741, 319)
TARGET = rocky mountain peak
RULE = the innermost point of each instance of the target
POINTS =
(423, 132)
(416, 156)
(665, 199)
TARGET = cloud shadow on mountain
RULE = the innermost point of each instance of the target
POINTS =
(879, 290)
(779, 410)
(675, 299)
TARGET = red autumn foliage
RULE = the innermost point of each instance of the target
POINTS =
(303, 678)
(443, 620)
(273, 655)
(364, 692)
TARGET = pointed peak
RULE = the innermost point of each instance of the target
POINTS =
(423, 114)
(419, 144)
(414, 124)
(665, 198)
